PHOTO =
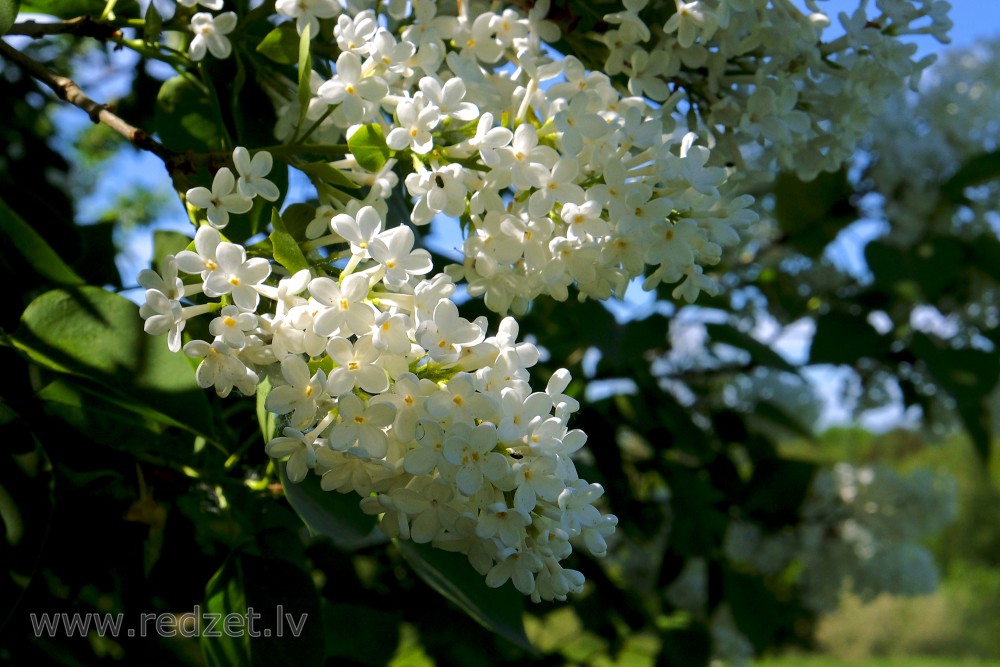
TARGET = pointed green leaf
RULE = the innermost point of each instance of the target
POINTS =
(286, 251)
(8, 14)
(305, 74)
(287, 626)
(281, 45)
(34, 248)
(325, 172)
(153, 26)
(500, 610)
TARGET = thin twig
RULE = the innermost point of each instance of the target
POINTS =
(67, 90)
(83, 26)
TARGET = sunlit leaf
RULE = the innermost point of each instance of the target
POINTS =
(281, 45)
(286, 250)
(369, 147)
(184, 117)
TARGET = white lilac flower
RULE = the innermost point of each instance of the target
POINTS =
(416, 119)
(232, 326)
(302, 393)
(307, 13)
(356, 367)
(359, 229)
(300, 450)
(221, 200)
(237, 275)
(351, 91)
(210, 35)
(251, 182)
(342, 306)
(220, 368)
(393, 249)
(362, 425)
(202, 260)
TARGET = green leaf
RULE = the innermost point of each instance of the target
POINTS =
(926, 271)
(812, 213)
(979, 169)
(779, 416)
(755, 608)
(265, 419)
(67, 9)
(361, 634)
(969, 375)
(296, 218)
(327, 173)
(184, 117)
(369, 147)
(842, 338)
(286, 251)
(8, 14)
(776, 490)
(166, 242)
(99, 335)
(281, 45)
(305, 74)
(760, 354)
(117, 420)
(286, 628)
(331, 514)
(153, 26)
(34, 249)
(450, 574)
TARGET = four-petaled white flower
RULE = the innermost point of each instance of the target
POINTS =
(362, 425)
(237, 275)
(252, 172)
(232, 326)
(210, 35)
(221, 200)
(306, 13)
(299, 449)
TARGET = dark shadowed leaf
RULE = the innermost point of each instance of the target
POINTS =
(760, 354)
(286, 627)
(99, 335)
(451, 575)
(977, 170)
(32, 247)
(842, 338)
(812, 213)
(332, 514)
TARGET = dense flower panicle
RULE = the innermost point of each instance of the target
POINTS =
(567, 181)
(400, 399)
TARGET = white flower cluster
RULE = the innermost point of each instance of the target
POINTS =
(560, 179)
(389, 393)
(861, 531)
(921, 141)
(758, 71)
